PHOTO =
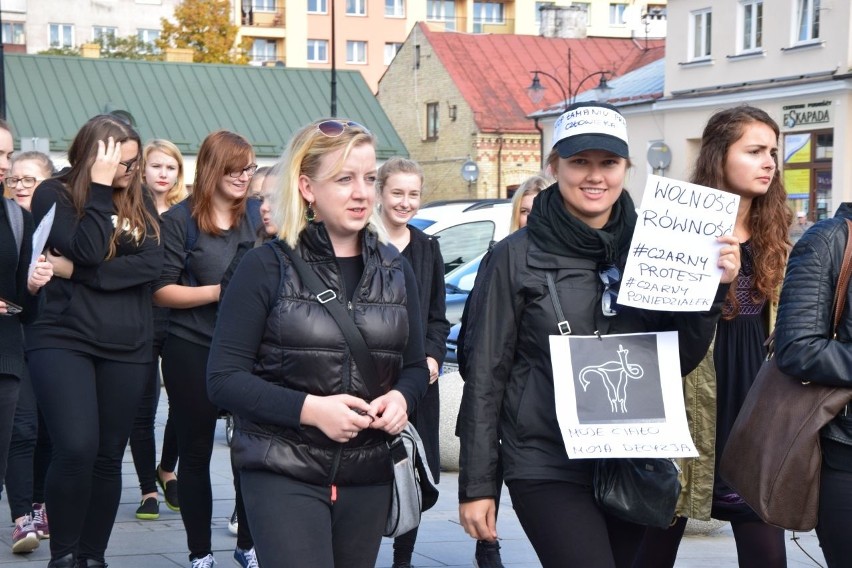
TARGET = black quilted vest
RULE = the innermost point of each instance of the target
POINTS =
(304, 349)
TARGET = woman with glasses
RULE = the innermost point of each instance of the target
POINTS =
(738, 154)
(201, 236)
(29, 448)
(89, 352)
(162, 174)
(312, 428)
(578, 232)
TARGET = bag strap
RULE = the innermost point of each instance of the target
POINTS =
(16, 220)
(328, 298)
(561, 322)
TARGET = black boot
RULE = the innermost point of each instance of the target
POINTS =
(64, 562)
(90, 563)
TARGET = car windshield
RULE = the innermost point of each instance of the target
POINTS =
(460, 280)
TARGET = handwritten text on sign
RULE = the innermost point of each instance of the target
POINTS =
(620, 396)
(672, 261)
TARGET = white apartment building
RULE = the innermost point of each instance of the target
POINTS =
(31, 26)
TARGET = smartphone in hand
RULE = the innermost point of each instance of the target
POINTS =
(11, 307)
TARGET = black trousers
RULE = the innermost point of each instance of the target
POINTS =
(9, 387)
(567, 528)
(185, 377)
(835, 510)
(88, 405)
(297, 523)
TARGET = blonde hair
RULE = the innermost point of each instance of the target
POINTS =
(531, 186)
(303, 156)
(397, 165)
(178, 192)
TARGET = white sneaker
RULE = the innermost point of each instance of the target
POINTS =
(24, 536)
(206, 562)
(233, 523)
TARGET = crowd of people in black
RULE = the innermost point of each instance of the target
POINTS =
(142, 283)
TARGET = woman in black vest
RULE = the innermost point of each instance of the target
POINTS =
(311, 437)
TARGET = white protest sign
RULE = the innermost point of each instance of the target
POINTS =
(671, 265)
(40, 236)
(620, 396)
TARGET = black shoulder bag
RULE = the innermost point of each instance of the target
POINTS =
(638, 490)
(414, 490)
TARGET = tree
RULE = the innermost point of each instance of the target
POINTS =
(130, 47)
(205, 27)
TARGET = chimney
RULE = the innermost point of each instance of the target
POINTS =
(179, 54)
(91, 50)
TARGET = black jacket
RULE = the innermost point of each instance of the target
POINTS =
(508, 375)
(274, 344)
(803, 331)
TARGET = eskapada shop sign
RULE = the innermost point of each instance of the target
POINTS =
(807, 114)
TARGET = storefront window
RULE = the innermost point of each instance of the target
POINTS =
(806, 178)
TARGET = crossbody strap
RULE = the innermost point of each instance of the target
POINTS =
(561, 322)
(328, 298)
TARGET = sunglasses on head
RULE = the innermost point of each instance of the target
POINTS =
(334, 128)
(610, 276)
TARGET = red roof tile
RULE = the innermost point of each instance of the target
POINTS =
(492, 71)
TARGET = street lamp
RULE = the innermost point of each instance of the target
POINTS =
(536, 89)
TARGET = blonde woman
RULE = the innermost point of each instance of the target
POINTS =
(163, 175)
(522, 201)
(310, 432)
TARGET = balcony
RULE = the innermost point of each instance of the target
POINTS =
(506, 26)
(255, 16)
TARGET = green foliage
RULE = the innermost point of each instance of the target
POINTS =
(69, 51)
(205, 27)
(130, 47)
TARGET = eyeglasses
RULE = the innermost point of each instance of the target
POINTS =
(610, 276)
(28, 182)
(334, 128)
(130, 164)
(250, 169)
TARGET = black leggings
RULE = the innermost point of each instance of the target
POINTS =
(758, 544)
(835, 510)
(567, 528)
(88, 405)
(29, 453)
(142, 443)
(185, 377)
(297, 524)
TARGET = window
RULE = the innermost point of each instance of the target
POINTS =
(700, 28)
(263, 50)
(752, 22)
(395, 8)
(807, 170)
(263, 5)
(488, 12)
(616, 14)
(318, 51)
(105, 32)
(61, 35)
(807, 20)
(432, 121)
(356, 7)
(356, 52)
(391, 49)
(148, 38)
(13, 32)
(317, 6)
(442, 11)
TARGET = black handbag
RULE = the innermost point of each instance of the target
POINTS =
(414, 490)
(638, 490)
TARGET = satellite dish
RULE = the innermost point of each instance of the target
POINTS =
(470, 171)
(659, 155)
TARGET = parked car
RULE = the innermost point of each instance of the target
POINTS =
(458, 284)
(465, 228)
(451, 359)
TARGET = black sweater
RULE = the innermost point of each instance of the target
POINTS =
(13, 287)
(104, 309)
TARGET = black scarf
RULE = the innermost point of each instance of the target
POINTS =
(555, 230)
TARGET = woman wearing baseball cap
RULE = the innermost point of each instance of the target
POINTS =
(579, 232)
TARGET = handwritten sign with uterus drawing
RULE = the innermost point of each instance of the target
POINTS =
(672, 263)
(620, 396)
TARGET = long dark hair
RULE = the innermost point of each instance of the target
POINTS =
(769, 217)
(129, 203)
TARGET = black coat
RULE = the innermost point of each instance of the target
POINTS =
(508, 374)
(803, 331)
